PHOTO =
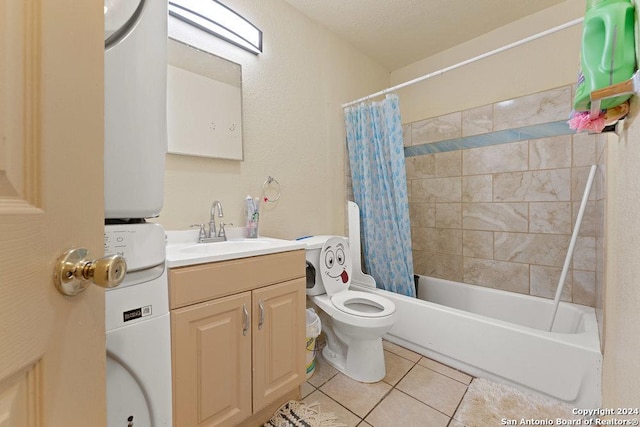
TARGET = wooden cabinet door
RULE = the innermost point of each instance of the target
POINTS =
(278, 340)
(211, 349)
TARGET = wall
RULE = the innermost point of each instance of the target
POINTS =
(549, 63)
(292, 123)
(546, 63)
(621, 376)
(495, 203)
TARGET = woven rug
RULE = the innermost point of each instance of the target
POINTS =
(299, 414)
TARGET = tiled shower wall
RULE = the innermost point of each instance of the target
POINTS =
(490, 208)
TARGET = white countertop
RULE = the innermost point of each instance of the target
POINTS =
(183, 249)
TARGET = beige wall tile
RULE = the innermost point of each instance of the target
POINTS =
(584, 149)
(551, 185)
(496, 158)
(477, 121)
(549, 106)
(449, 266)
(477, 244)
(540, 249)
(589, 226)
(424, 263)
(550, 153)
(419, 167)
(495, 216)
(448, 215)
(406, 135)
(449, 241)
(579, 178)
(437, 190)
(449, 163)
(477, 188)
(424, 239)
(507, 276)
(436, 129)
(516, 202)
(584, 287)
(422, 214)
(550, 217)
(544, 282)
(584, 254)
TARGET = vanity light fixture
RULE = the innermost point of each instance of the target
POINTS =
(217, 19)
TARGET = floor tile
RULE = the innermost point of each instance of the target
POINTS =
(398, 409)
(400, 351)
(328, 405)
(436, 390)
(359, 398)
(323, 373)
(445, 370)
(306, 389)
(364, 424)
(396, 367)
(456, 423)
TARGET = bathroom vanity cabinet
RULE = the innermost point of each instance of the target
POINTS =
(237, 338)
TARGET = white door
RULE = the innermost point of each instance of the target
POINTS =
(52, 347)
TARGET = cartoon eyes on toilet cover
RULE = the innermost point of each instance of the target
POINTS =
(335, 265)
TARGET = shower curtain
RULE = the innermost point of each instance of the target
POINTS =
(376, 156)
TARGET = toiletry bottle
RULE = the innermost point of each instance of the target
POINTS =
(608, 53)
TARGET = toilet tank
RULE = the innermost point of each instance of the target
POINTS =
(312, 254)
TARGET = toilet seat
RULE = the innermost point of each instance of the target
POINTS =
(377, 306)
(335, 269)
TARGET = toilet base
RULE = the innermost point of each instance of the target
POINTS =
(363, 362)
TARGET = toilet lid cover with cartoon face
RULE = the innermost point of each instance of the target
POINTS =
(335, 265)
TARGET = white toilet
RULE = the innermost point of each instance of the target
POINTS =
(354, 322)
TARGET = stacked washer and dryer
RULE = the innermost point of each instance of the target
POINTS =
(137, 311)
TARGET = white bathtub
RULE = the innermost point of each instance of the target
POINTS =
(501, 336)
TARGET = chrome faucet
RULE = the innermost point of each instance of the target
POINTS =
(212, 221)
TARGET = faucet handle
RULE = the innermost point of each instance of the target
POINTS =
(221, 232)
(202, 234)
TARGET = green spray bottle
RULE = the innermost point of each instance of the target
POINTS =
(608, 54)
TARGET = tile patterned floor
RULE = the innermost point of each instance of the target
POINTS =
(416, 391)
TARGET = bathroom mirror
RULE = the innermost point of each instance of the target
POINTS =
(204, 103)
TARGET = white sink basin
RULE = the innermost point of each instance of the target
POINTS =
(183, 253)
(227, 246)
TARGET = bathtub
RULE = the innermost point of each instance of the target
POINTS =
(502, 336)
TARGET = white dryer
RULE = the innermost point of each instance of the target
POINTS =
(135, 113)
(138, 330)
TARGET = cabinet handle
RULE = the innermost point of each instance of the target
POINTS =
(245, 326)
(261, 316)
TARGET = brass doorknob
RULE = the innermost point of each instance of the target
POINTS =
(73, 272)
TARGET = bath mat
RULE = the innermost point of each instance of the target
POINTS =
(487, 403)
(299, 414)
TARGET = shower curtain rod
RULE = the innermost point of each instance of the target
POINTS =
(468, 61)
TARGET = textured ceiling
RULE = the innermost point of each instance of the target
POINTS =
(396, 33)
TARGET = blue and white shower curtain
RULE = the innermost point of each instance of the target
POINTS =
(376, 156)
